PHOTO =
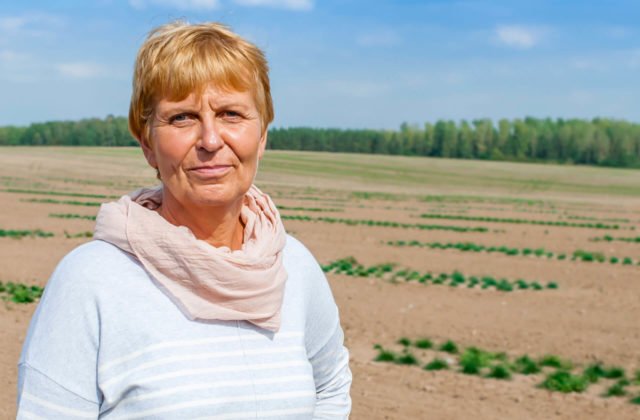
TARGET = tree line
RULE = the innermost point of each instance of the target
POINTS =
(599, 141)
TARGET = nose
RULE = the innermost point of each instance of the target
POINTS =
(210, 137)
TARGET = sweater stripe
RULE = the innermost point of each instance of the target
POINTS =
(215, 401)
(55, 407)
(194, 357)
(291, 379)
(188, 343)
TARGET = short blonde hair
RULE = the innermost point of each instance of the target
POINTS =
(179, 58)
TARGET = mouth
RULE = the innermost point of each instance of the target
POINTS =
(210, 171)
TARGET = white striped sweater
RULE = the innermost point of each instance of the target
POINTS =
(106, 342)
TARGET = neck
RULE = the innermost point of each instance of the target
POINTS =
(217, 225)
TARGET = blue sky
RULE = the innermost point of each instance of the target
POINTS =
(342, 63)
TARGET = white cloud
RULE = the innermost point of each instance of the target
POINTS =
(81, 70)
(518, 36)
(300, 5)
(382, 38)
(9, 56)
(31, 24)
(177, 4)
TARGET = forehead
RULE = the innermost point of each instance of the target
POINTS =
(211, 95)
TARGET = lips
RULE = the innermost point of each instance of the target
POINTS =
(210, 171)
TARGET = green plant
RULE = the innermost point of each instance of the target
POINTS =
(554, 361)
(594, 372)
(472, 360)
(449, 347)
(406, 359)
(404, 341)
(635, 400)
(500, 371)
(20, 293)
(423, 343)
(385, 355)
(436, 364)
(564, 381)
(616, 390)
(614, 372)
(526, 365)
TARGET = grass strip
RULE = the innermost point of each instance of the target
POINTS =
(69, 202)
(518, 221)
(389, 271)
(384, 223)
(59, 193)
(578, 255)
(609, 238)
(19, 234)
(71, 216)
(312, 209)
(486, 364)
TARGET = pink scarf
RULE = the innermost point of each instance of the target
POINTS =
(205, 282)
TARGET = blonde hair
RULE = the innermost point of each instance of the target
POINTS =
(179, 58)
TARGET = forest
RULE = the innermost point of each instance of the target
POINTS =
(600, 141)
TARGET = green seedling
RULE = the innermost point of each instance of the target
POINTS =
(553, 361)
(526, 366)
(614, 372)
(406, 359)
(385, 355)
(616, 390)
(423, 343)
(404, 341)
(449, 347)
(564, 381)
(594, 372)
(436, 364)
(500, 371)
(473, 360)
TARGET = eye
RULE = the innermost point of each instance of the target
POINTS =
(231, 115)
(181, 118)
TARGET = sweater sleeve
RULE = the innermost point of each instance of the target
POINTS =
(327, 354)
(57, 368)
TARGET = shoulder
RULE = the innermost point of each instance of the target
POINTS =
(93, 259)
(298, 257)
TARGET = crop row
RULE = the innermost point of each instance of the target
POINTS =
(58, 193)
(19, 234)
(69, 202)
(384, 223)
(609, 238)
(312, 209)
(518, 221)
(72, 216)
(389, 271)
(85, 234)
(578, 255)
(20, 293)
(560, 374)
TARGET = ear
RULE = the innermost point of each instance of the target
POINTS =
(263, 144)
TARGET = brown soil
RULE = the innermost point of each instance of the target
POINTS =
(592, 316)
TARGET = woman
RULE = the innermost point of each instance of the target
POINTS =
(192, 302)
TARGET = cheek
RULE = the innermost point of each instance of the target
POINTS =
(245, 142)
(171, 147)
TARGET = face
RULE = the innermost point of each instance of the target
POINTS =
(206, 147)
